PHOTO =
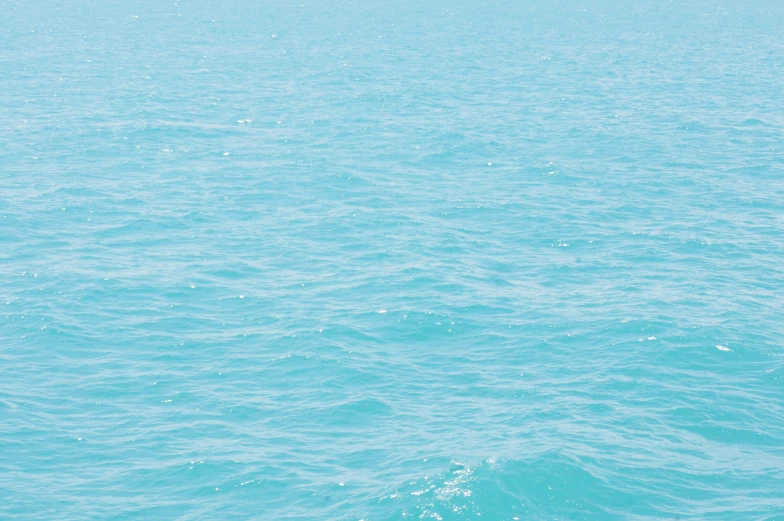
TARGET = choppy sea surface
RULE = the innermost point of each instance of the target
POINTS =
(344, 260)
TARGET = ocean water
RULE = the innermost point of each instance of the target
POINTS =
(343, 260)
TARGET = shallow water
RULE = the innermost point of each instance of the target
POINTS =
(386, 261)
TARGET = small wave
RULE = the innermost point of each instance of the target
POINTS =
(547, 487)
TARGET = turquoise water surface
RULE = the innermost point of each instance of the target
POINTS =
(379, 261)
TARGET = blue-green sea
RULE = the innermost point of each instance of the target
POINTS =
(335, 260)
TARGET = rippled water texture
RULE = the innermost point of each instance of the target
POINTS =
(381, 260)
